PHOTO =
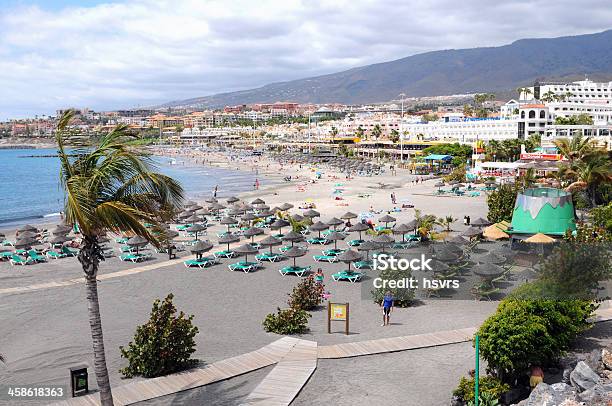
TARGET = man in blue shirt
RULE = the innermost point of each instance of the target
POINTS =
(387, 305)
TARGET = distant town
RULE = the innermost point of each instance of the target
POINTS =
(397, 129)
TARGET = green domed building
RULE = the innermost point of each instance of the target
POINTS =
(543, 210)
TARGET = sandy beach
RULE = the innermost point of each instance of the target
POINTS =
(46, 331)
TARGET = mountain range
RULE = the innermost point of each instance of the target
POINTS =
(454, 71)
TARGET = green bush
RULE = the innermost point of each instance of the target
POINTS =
(488, 386)
(485, 399)
(529, 332)
(306, 295)
(287, 321)
(602, 217)
(401, 297)
(501, 202)
(162, 346)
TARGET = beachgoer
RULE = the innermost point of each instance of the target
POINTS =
(537, 376)
(256, 184)
(319, 276)
(216, 189)
(387, 306)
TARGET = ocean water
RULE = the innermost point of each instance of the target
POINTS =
(30, 191)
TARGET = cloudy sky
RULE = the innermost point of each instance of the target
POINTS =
(119, 54)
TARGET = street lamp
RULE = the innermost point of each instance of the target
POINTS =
(402, 95)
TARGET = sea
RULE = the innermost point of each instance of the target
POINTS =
(30, 191)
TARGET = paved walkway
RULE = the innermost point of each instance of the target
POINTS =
(287, 378)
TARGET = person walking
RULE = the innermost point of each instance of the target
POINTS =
(387, 306)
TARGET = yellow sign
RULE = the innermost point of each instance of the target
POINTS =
(338, 311)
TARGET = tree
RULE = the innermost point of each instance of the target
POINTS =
(501, 202)
(446, 222)
(307, 295)
(163, 345)
(548, 96)
(359, 133)
(588, 173)
(580, 119)
(534, 141)
(394, 136)
(334, 131)
(574, 148)
(460, 152)
(524, 91)
(109, 186)
(467, 110)
(376, 131)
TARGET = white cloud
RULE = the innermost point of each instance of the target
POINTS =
(145, 51)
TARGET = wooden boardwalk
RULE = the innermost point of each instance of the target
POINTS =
(288, 377)
(393, 344)
(166, 385)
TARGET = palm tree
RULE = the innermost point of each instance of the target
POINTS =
(109, 186)
(376, 131)
(359, 132)
(446, 222)
(588, 173)
(394, 136)
(574, 148)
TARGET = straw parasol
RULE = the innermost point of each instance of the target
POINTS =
(211, 199)
(137, 241)
(471, 232)
(412, 224)
(348, 257)
(265, 213)
(228, 221)
(297, 217)
(480, 222)
(61, 230)
(310, 213)
(196, 228)
(59, 239)
(319, 226)
(193, 219)
(448, 247)
(335, 222)
(359, 227)
(228, 239)
(439, 185)
(492, 258)
(270, 241)
(402, 230)
(258, 201)
(294, 252)
(494, 233)
(252, 232)
(27, 234)
(383, 240)
(232, 199)
(387, 219)
(457, 240)
(195, 207)
(368, 246)
(335, 237)
(216, 206)
(488, 270)
(27, 227)
(245, 250)
(348, 215)
(293, 237)
(446, 256)
(200, 247)
(540, 238)
(26, 242)
(279, 224)
(285, 206)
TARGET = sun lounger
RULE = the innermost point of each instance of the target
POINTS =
(224, 254)
(270, 257)
(6, 255)
(69, 252)
(121, 240)
(243, 266)
(7, 243)
(134, 257)
(183, 227)
(484, 292)
(296, 270)
(201, 262)
(404, 245)
(325, 258)
(333, 252)
(55, 255)
(355, 243)
(363, 264)
(36, 256)
(17, 260)
(317, 240)
(347, 276)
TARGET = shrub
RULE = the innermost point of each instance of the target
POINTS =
(527, 332)
(401, 297)
(162, 346)
(306, 295)
(488, 386)
(602, 217)
(501, 202)
(287, 321)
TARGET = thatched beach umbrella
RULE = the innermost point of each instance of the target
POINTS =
(228, 221)
(265, 213)
(201, 247)
(270, 241)
(471, 232)
(193, 219)
(480, 222)
(310, 213)
(412, 224)
(368, 246)
(196, 228)
(348, 257)
(294, 252)
(211, 199)
(232, 199)
(488, 270)
(384, 240)
(26, 242)
(449, 247)
(61, 230)
(27, 227)
(402, 230)
(235, 211)
(257, 201)
(492, 258)
(439, 185)
(245, 250)
(387, 219)
(60, 239)
(335, 237)
(319, 226)
(293, 237)
(446, 256)
(335, 222)
(137, 242)
(348, 216)
(27, 234)
(494, 233)
(457, 240)
(228, 239)
(279, 224)
(540, 238)
(285, 206)
(252, 232)
(359, 227)
(297, 217)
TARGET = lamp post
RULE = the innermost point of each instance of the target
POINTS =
(402, 95)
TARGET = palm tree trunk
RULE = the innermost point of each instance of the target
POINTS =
(89, 258)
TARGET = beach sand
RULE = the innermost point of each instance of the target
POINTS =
(46, 331)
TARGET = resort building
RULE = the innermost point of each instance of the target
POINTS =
(466, 130)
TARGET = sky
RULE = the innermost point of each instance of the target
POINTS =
(123, 54)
